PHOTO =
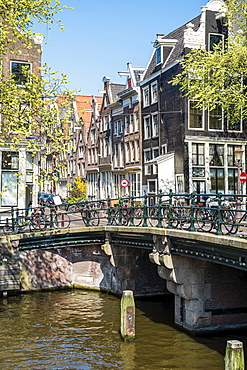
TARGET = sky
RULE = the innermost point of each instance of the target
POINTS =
(101, 37)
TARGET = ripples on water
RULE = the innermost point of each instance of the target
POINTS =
(80, 330)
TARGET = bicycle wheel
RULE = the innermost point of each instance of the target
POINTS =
(37, 222)
(203, 220)
(228, 225)
(61, 220)
(153, 216)
(93, 218)
(185, 218)
(138, 216)
(172, 217)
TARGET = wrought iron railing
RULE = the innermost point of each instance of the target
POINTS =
(215, 213)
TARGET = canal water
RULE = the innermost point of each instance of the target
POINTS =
(80, 330)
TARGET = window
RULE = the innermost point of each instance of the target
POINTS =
(198, 157)
(216, 155)
(116, 155)
(147, 128)
(137, 150)
(233, 123)
(214, 40)
(155, 125)
(147, 155)
(154, 93)
(121, 159)
(19, 71)
(10, 160)
(10, 165)
(158, 55)
(93, 135)
(81, 150)
(163, 149)
(132, 151)
(146, 97)
(126, 124)
(215, 118)
(152, 186)
(131, 126)
(217, 180)
(127, 152)
(136, 122)
(155, 152)
(195, 116)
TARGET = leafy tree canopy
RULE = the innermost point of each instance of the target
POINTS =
(218, 78)
(29, 106)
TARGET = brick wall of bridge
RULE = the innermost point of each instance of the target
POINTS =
(228, 302)
(92, 268)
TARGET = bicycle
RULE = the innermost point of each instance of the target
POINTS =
(89, 215)
(206, 218)
(170, 215)
(35, 222)
(122, 214)
(60, 220)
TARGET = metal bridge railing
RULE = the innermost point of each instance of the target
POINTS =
(215, 213)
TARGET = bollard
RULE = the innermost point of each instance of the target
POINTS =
(234, 358)
(127, 315)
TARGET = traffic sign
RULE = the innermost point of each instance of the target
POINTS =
(124, 183)
(243, 177)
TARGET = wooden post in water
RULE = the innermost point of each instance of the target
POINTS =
(127, 315)
(234, 358)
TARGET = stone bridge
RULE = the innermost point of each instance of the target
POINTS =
(206, 273)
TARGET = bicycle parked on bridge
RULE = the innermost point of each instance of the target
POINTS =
(207, 217)
(86, 212)
(122, 214)
(176, 215)
(24, 222)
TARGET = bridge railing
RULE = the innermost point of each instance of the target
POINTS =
(216, 213)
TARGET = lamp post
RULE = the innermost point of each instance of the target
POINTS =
(238, 157)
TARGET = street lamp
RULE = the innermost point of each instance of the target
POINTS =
(238, 156)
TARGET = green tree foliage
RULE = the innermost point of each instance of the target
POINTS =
(218, 78)
(30, 102)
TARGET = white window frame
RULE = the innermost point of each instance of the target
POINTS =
(155, 134)
(146, 136)
(146, 97)
(154, 99)
(20, 62)
(203, 118)
(222, 121)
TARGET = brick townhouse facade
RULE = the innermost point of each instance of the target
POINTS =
(149, 133)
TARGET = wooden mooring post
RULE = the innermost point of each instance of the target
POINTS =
(127, 315)
(234, 358)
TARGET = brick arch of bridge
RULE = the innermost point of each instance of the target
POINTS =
(206, 273)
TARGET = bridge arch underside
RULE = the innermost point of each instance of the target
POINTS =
(106, 262)
(206, 274)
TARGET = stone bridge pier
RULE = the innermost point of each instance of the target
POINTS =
(208, 296)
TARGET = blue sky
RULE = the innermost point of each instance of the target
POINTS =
(101, 37)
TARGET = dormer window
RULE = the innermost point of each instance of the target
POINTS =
(158, 55)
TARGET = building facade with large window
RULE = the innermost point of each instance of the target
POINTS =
(186, 148)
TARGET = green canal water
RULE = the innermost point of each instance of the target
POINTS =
(80, 330)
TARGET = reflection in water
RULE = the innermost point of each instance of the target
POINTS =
(80, 330)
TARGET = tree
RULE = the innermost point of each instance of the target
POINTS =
(30, 97)
(217, 78)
